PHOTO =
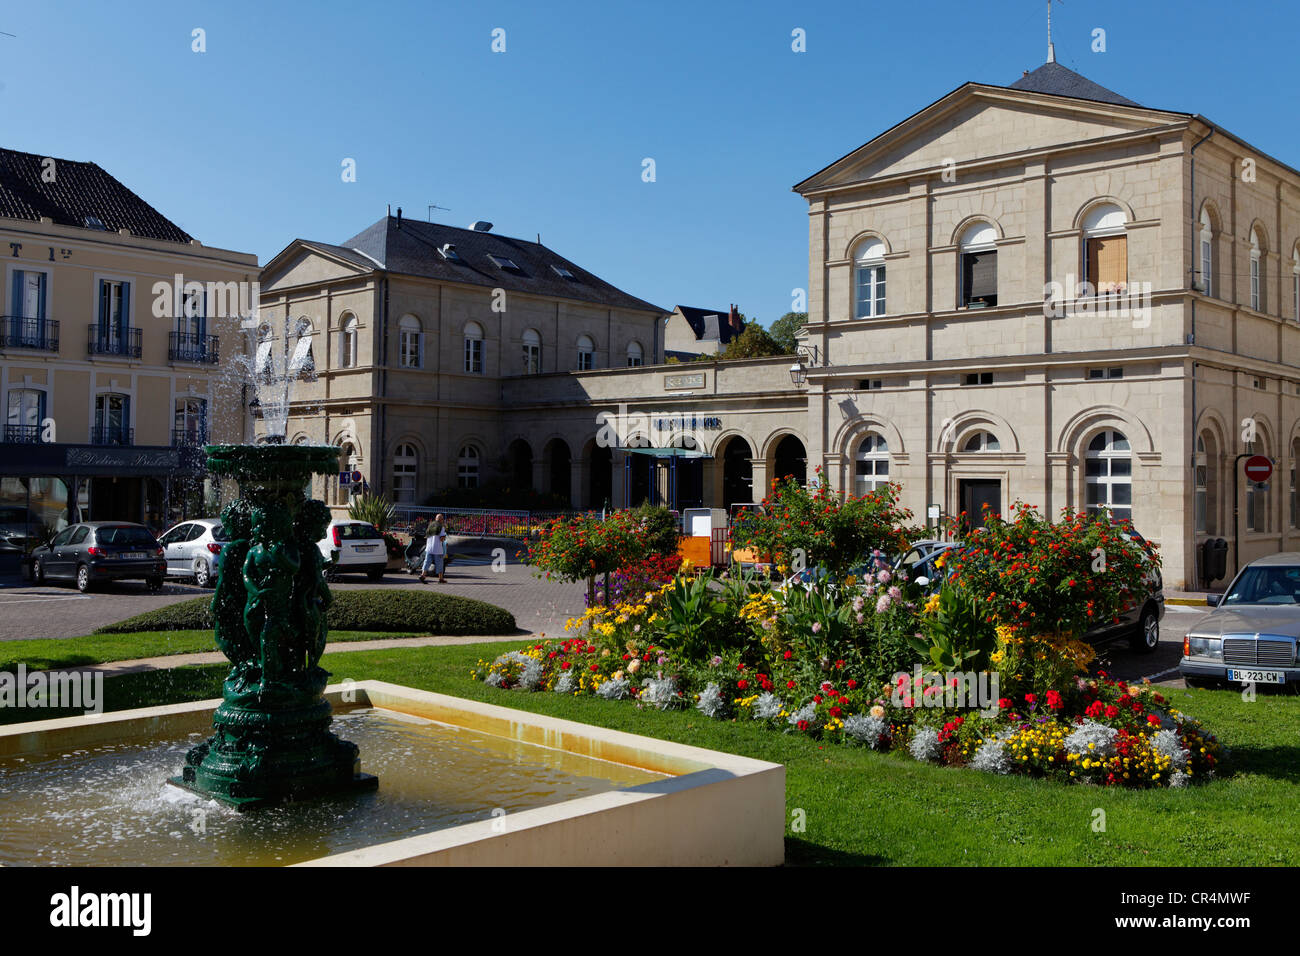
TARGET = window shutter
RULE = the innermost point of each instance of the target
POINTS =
(41, 314)
(124, 319)
(419, 350)
(18, 294)
(982, 274)
(1108, 264)
(103, 308)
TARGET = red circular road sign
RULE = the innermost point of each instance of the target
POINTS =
(1258, 468)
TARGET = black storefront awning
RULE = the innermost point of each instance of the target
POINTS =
(125, 461)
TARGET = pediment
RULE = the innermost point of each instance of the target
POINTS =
(304, 265)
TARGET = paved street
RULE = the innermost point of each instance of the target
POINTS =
(59, 611)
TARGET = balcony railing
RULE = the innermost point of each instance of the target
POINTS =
(189, 437)
(101, 340)
(188, 347)
(112, 435)
(23, 434)
(20, 332)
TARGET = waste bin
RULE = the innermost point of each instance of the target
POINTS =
(1214, 559)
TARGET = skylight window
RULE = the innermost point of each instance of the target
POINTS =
(562, 272)
(94, 222)
(503, 262)
(448, 251)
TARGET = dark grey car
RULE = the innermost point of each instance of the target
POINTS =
(95, 551)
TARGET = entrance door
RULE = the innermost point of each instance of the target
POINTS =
(974, 494)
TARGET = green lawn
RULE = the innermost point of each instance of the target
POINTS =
(102, 648)
(867, 808)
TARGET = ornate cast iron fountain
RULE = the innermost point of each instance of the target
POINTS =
(272, 740)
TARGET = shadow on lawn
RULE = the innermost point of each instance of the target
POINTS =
(1279, 762)
(802, 853)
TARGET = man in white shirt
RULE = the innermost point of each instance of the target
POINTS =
(435, 549)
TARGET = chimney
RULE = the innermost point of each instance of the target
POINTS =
(734, 319)
(399, 217)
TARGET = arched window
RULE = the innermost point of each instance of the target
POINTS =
(473, 348)
(1108, 475)
(586, 353)
(979, 266)
(1256, 271)
(303, 361)
(1207, 253)
(982, 441)
(1258, 511)
(405, 473)
(467, 467)
(635, 356)
(532, 352)
(869, 278)
(871, 464)
(1295, 283)
(1105, 257)
(1207, 484)
(348, 341)
(410, 342)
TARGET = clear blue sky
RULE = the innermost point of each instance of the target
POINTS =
(242, 145)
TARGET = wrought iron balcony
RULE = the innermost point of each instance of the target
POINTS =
(110, 340)
(23, 434)
(20, 332)
(188, 347)
(189, 437)
(112, 435)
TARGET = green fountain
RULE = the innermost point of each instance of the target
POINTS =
(272, 741)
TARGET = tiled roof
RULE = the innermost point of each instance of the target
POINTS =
(1057, 80)
(78, 192)
(708, 323)
(413, 249)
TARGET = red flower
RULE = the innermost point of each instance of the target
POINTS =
(835, 711)
(1004, 703)
(817, 698)
(564, 666)
(1153, 720)
(788, 654)
(1030, 699)
(790, 684)
(1112, 711)
(742, 683)
(852, 683)
(594, 668)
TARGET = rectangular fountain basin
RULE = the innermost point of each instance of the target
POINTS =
(661, 803)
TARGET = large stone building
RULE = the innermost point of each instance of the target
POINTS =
(1042, 291)
(113, 325)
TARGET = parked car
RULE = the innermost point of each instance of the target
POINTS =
(95, 551)
(193, 550)
(19, 527)
(1253, 633)
(1139, 624)
(355, 547)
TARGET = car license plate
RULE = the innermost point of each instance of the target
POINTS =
(133, 555)
(365, 548)
(1256, 677)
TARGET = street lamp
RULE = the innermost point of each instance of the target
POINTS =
(798, 374)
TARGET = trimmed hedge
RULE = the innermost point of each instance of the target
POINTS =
(409, 612)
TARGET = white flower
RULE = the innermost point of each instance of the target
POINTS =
(869, 729)
(767, 706)
(991, 757)
(661, 692)
(613, 689)
(1092, 739)
(925, 745)
(1169, 744)
(710, 703)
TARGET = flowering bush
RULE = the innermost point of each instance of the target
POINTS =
(821, 526)
(1064, 577)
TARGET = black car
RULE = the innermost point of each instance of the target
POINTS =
(96, 551)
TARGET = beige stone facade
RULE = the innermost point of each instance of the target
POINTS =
(108, 392)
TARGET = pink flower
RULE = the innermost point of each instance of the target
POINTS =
(817, 627)
(883, 577)
(882, 605)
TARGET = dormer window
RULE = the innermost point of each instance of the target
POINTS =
(562, 272)
(503, 262)
(448, 252)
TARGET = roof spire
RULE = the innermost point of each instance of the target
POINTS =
(1051, 50)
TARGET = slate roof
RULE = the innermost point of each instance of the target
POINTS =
(413, 249)
(79, 190)
(1056, 80)
(708, 323)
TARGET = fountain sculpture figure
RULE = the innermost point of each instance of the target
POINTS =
(271, 740)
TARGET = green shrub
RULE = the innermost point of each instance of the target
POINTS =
(401, 611)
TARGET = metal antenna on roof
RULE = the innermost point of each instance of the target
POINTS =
(3, 34)
(1051, 50)
(433, 206)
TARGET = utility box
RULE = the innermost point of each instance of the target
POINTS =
(704, 535)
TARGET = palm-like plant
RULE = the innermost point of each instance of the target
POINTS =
(372, 509)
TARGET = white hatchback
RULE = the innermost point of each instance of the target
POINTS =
(359, 547)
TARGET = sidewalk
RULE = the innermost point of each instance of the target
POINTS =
(1189, 598)
(170, 661)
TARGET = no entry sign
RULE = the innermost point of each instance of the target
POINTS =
(1258, 468)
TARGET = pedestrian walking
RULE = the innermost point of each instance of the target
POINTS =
(435, 550)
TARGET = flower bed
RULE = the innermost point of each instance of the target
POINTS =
(872, 662)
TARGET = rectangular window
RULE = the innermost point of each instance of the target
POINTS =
(1207, 266)
(1105, 373)
(190, 423)
(871, 291)
(1254, 284)
(980, 279)
(1106, 267)
(412, 348)
(114, 315)
(474, 356)
(27, 309)
(586, 361)
(978, 378)
(532, 359)
(1295, 296)
(870, 384)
